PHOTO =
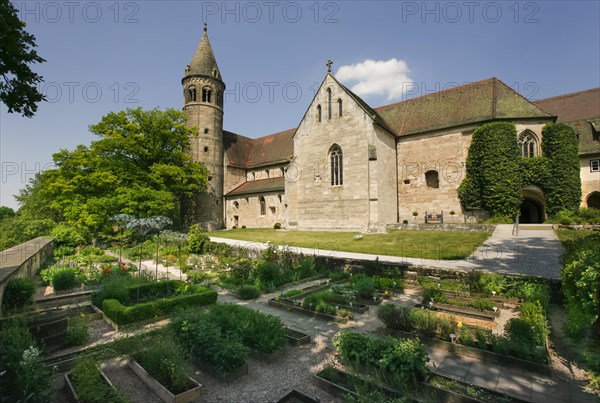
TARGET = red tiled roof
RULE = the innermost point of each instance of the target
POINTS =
(268, 150)
(259, 186)
(572, 107)
(466, 104)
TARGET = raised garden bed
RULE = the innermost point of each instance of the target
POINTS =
(296, 338)
(452, 390)
(71, 389)
(291, 306)
(462, 311)
(165, 394)
(295, 396)
(483, 355)
(500, 299)
(369, 301)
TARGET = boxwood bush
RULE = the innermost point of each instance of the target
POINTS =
(18, 293)
(65, 279)
(248, 292)
(122, 314)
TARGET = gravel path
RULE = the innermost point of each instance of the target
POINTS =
(125, 380)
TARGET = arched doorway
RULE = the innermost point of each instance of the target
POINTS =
(593, 200)
(533, 209)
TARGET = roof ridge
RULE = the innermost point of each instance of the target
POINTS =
(568, 94)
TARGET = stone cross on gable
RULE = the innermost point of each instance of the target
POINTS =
(329, 63)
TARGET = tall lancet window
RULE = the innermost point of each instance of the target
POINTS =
(328, 103)
(337, 166)
(529, 144)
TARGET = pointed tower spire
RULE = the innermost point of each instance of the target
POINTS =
(204, 62)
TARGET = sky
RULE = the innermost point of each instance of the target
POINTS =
(104, 56)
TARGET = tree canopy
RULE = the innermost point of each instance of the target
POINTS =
(139, 166)
(18, 83)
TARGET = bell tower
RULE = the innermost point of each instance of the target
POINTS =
(203, 90)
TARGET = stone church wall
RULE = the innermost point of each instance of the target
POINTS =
(248, 211)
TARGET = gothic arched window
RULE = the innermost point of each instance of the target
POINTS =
(432, 179)
(263, 205)
(529, 144)
(318, 113)
(340, 107)
(337, 166)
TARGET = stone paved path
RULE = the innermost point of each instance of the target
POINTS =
(534, 252)
(510, 381)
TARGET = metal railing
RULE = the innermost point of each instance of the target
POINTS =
(515, 230)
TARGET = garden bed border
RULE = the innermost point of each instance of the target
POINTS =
(308, 312)
(165, 394)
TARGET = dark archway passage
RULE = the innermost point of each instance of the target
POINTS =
(531, 212)
(593, 200)
(533, 209)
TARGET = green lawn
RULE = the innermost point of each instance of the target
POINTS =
(573, 234)
(442, 245)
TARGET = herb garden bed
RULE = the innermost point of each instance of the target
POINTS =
(462, 311)
(165, 394)
(483, 355)
(289, 305)
(71, 389)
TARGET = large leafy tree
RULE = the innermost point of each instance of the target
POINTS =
(18, 83)
(139, 166)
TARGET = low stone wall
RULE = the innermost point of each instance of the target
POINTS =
(443, 227)
(24, 260)
(595, 227)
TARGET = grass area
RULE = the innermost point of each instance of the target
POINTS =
(573, 234)
(440, 245)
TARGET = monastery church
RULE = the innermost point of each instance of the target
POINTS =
(348, 166)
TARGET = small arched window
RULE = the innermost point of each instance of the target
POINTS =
(263, 205)
(192, 94)
(529, 144)
(328, 103)
(337, 166)
(236, 204)
(340, 111)
(206, 95)
(267, 172)
(318, 113)
(253, 176)
(432, 179)
(220, 98)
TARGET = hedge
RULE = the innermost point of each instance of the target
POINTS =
(122, 314)
(492, 180)
(563, 186)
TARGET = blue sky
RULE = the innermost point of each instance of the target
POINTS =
(106, 56)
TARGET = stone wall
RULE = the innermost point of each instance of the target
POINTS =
(247, 210)
(24, 260)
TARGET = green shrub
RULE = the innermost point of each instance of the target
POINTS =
(364, 286)
(277, 225)
(65, 279)
(89, 385)
(165, 362)
(387, 283)
(399, 362)
(18, 293)
(197, 240)
(248, 292)
(291, 293)
(78, 331)
(15, 339)
(202, 338)
(33, 379)
(434, 295)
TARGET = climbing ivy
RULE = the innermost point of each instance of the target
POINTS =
(492, 180)
(563, 184)
(534, 171)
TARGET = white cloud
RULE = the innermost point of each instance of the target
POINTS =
(377, 77)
